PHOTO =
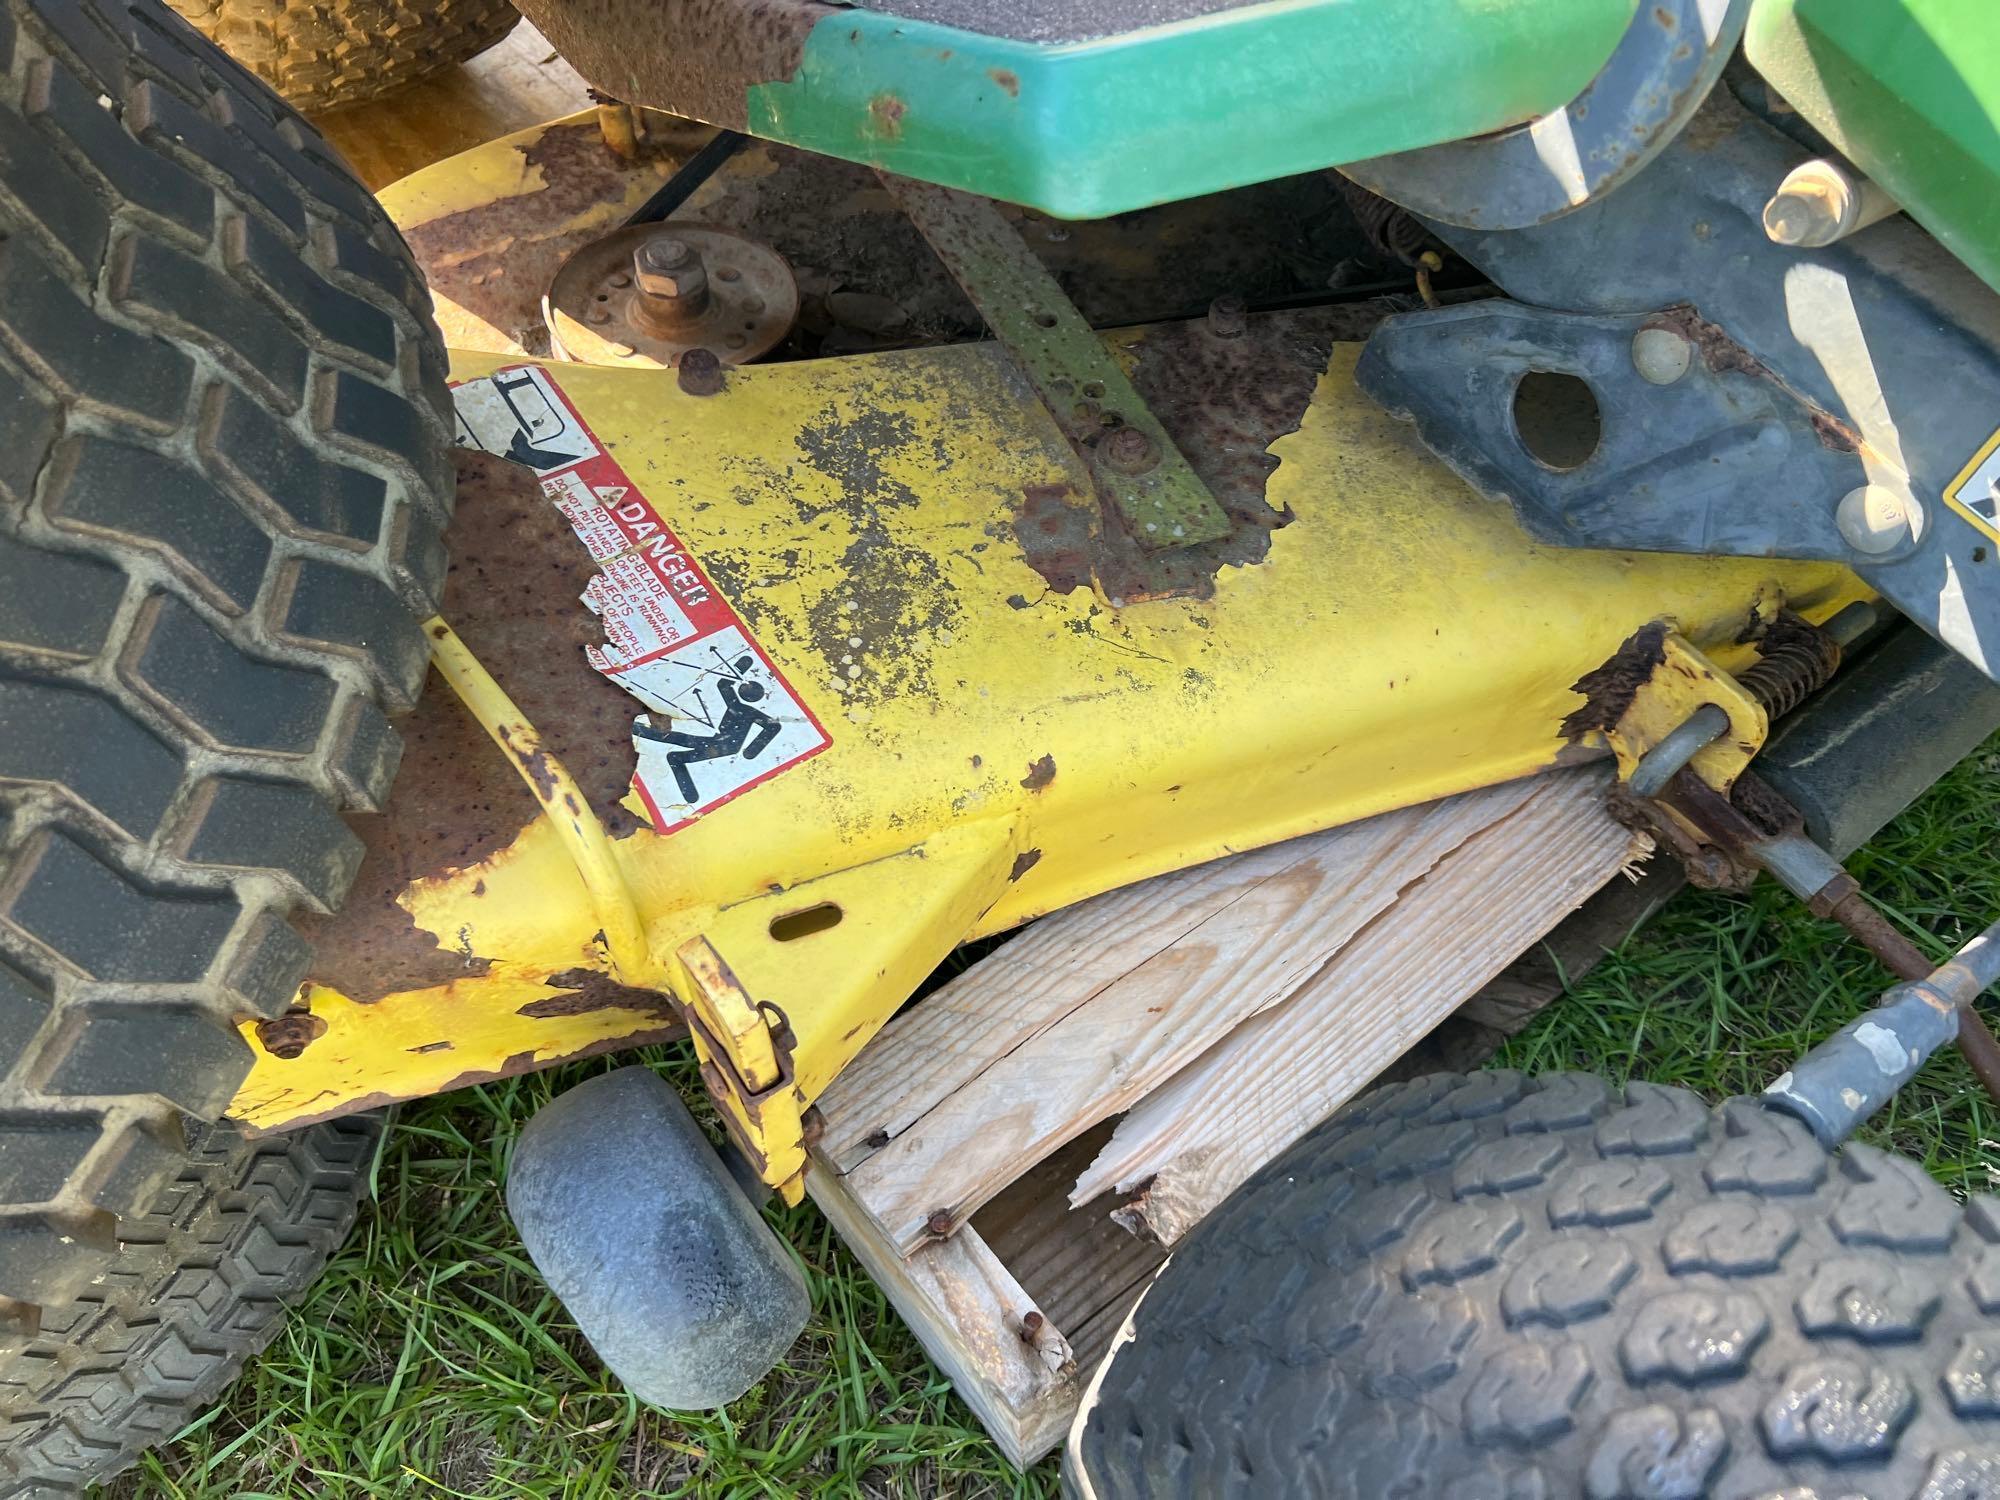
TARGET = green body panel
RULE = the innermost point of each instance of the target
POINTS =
(1909, 90)
(1088, 129)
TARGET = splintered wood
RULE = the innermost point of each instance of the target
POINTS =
(1123, 1065)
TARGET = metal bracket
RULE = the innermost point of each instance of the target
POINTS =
(1845, 395)
(1695, 447)
(748, 1072)
(1138, 471)
(1683, 683)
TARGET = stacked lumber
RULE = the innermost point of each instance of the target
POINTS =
(1012, 1156)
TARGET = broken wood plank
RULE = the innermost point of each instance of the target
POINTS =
(1192, 1141)
(970, 1314)
(1466, 1038)
(1075, 1263)
(1120, 1040)
(1021, 989)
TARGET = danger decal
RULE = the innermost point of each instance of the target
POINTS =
(721, 718)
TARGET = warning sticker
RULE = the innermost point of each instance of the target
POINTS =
(1975, 494)
(721, 717)
(520, 415)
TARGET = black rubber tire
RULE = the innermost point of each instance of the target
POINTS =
(226, 472)
(1501, 1288)
(323, 53)
(199, 1287)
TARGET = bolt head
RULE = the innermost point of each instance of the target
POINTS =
(665, 254)
(1660, 355)
(1129, 451)
(699, 372)
(1875, 520)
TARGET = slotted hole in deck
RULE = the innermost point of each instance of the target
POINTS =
(794, 925)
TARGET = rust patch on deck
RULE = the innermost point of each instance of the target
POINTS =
(1609, 690)
(511, 593)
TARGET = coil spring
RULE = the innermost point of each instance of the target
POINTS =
(1793, 666)
(1392, 231)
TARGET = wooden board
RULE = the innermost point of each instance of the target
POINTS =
(1382, 927)
(967, 1298)
(1193, 1141)
(510, 86)
(1094, 1053)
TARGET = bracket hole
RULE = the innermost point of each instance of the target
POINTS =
(1094, 389)
(1556, 419)
(1045, 320)
(794, 925)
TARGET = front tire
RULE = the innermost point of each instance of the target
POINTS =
(199, 1285)
(1524, 1289)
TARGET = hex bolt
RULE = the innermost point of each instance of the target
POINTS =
(673, 283)
(699, 373)
(1875, 519)
(1129, 451)
(1228, 317)
(1660, 355)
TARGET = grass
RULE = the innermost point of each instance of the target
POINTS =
(431, 1361)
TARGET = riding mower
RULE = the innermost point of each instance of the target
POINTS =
(783, 632)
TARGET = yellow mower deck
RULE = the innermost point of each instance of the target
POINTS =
(1010, 727)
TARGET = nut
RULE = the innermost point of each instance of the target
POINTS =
(288, 1035)
(669, 267)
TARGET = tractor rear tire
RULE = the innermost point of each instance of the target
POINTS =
(324, 53)
(198, 1287)
(222, 494)
(1494, 1287)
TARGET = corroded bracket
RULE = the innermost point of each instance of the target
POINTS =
(1137, 470)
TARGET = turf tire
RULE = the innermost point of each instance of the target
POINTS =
(225, 475)
(1494, 1287)
(199, 1286)
(324, 53)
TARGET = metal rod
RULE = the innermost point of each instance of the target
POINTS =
(1840, 1083)
(1677, 747)
(1971, 969)
(1813, 875)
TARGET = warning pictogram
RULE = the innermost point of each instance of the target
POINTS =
(722, 719)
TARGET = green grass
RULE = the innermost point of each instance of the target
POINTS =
(431, 1360)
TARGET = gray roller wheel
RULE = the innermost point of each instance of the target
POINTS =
(1502, 1288)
